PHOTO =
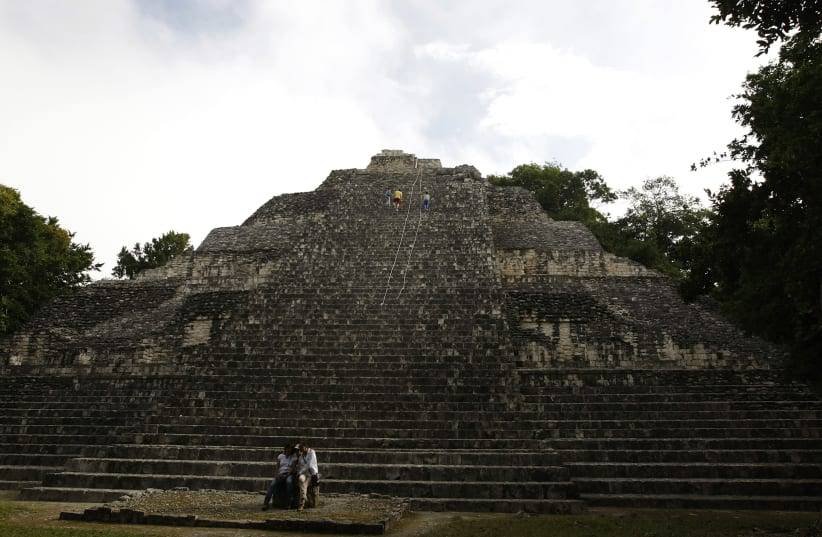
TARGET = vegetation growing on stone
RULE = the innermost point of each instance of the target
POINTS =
(156, 253)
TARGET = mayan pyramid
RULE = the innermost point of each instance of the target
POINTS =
(475, 356)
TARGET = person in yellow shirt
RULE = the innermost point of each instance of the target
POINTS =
(397, 199)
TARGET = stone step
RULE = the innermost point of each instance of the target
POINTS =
(33, 459)
(717, 456)
(680, 470)
(26, 441)
(667, 389)
(355, 365)
(89, 428)
(330, 470)
(341, 405)
(563, 445)
(424, 381)
(120, 402)
(586, 398)
(53, 414)
(411, 489)
(246, 414)
(381, 456)
(52, 448)
(700, 486)
(289, 374)
(26, 473)
(353, 442)
(564, 408)
(6, 484)
(464, 380)
(554, 506)
(693, 501)
(69, 494)
(469, 431)
(489, 443)
(219, 425)
(396, 371)
(308, 388)
(379, 393)
(458, 394)
(635, 377)
(339, 401)
(66, 421)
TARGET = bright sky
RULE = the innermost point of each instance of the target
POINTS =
(127, 118)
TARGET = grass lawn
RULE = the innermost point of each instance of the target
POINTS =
(39, 519)
(636, 523)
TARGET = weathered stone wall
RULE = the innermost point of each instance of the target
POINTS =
(535, 267)
(519, 223)
(624, 322)
(395, 160)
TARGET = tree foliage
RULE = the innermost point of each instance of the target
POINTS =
(773, 20)
(763, 251)
(153, 254)
(38, 260)
(565, 195)
(762, 254)
(665, 222)
(658, 229)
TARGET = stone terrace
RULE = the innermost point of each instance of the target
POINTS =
(497, 360)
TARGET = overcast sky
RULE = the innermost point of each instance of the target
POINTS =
(127, 118)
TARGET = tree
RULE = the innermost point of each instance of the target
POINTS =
(763, 250)
(38, 260)
(773, 20)
(150, 255)
(659, 215)
(565, 195)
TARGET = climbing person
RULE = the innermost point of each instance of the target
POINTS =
(397, 199)
(308, 477)
(387, 197)
(281, 488)
(426, 201)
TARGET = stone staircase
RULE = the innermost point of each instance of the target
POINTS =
(45, 422)
(683, 438)
(476, 357)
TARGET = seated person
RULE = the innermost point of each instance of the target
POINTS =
(308, 477)
(282, 487)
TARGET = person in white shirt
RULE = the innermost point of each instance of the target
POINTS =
(282, 487)
(308, 477)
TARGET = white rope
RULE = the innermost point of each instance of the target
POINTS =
(402, 236)
(413, 244)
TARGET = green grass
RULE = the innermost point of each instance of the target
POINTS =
(44, 531)
(8, 508)
(660, 523)
(25, 527)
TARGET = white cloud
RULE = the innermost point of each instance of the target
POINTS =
(126, 119)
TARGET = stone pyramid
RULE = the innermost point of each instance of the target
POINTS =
(474, 356)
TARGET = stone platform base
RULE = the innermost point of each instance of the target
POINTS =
(337, 513)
